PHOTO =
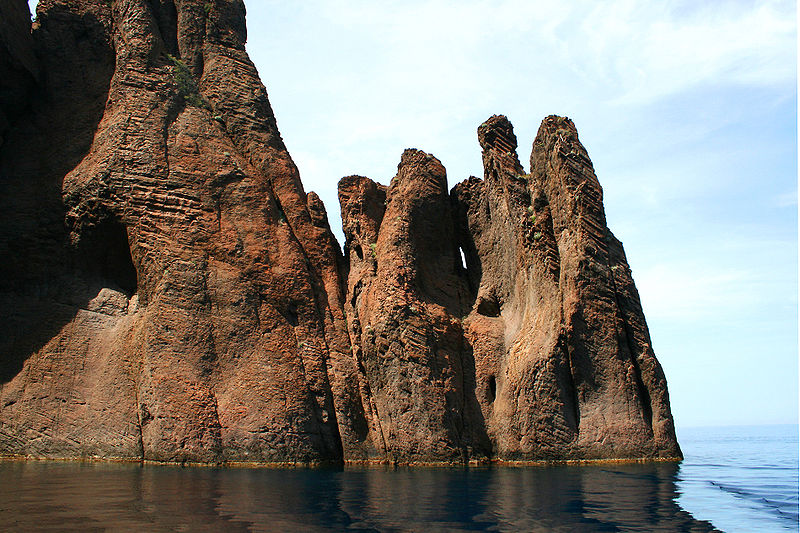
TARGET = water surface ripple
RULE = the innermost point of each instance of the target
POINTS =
(741, 478)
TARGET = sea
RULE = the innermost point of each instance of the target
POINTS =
(732, 479)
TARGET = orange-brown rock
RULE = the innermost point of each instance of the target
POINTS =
(406, 296)
(560, 341)
(535, 347)
(180, 298)
(169, 292)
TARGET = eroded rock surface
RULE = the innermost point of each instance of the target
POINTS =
(532, 348)
(192, 285)
(169, 291)
(577, 377)
(406, 294)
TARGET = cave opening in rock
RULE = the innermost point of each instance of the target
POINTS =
(358, 251)
(105, 252)
(291, 315)
(463, 258)
(488, 306)
(492, 389)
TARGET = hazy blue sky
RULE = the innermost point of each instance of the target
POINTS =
(688, 110)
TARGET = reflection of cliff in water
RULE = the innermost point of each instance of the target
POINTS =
(121, 497)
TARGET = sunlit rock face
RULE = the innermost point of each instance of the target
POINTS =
(169, 292)
(500, 320)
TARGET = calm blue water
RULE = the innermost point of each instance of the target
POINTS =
(738, 479)
(742, 478)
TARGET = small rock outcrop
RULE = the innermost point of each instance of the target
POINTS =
(169, 291)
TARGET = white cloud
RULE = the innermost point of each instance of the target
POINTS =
(633, 51)
(658, 52)
(409, 72)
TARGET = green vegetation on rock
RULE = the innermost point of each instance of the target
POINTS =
(186, 85)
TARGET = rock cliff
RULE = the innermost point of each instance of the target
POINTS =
(170, 292)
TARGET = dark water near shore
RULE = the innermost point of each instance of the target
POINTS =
(741, 479)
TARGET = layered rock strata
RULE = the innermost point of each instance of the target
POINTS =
(169, 291)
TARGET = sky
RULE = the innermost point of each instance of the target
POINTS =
(688, 110)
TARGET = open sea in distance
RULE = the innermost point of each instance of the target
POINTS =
(733, 479)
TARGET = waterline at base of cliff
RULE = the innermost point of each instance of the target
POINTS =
(733, 479)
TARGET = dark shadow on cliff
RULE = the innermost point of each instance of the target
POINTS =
(34, 311)
(474, 433)
(471, 270)
(41, 284)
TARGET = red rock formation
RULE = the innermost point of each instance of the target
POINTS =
(536, 348)
(558, 331)
(406, 295)
(169, 291)
(198, 286)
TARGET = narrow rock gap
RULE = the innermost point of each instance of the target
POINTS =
(290, 314)
(567, 355)
(166, 18)
(139, 418)
(492, 389)
(317, 289)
